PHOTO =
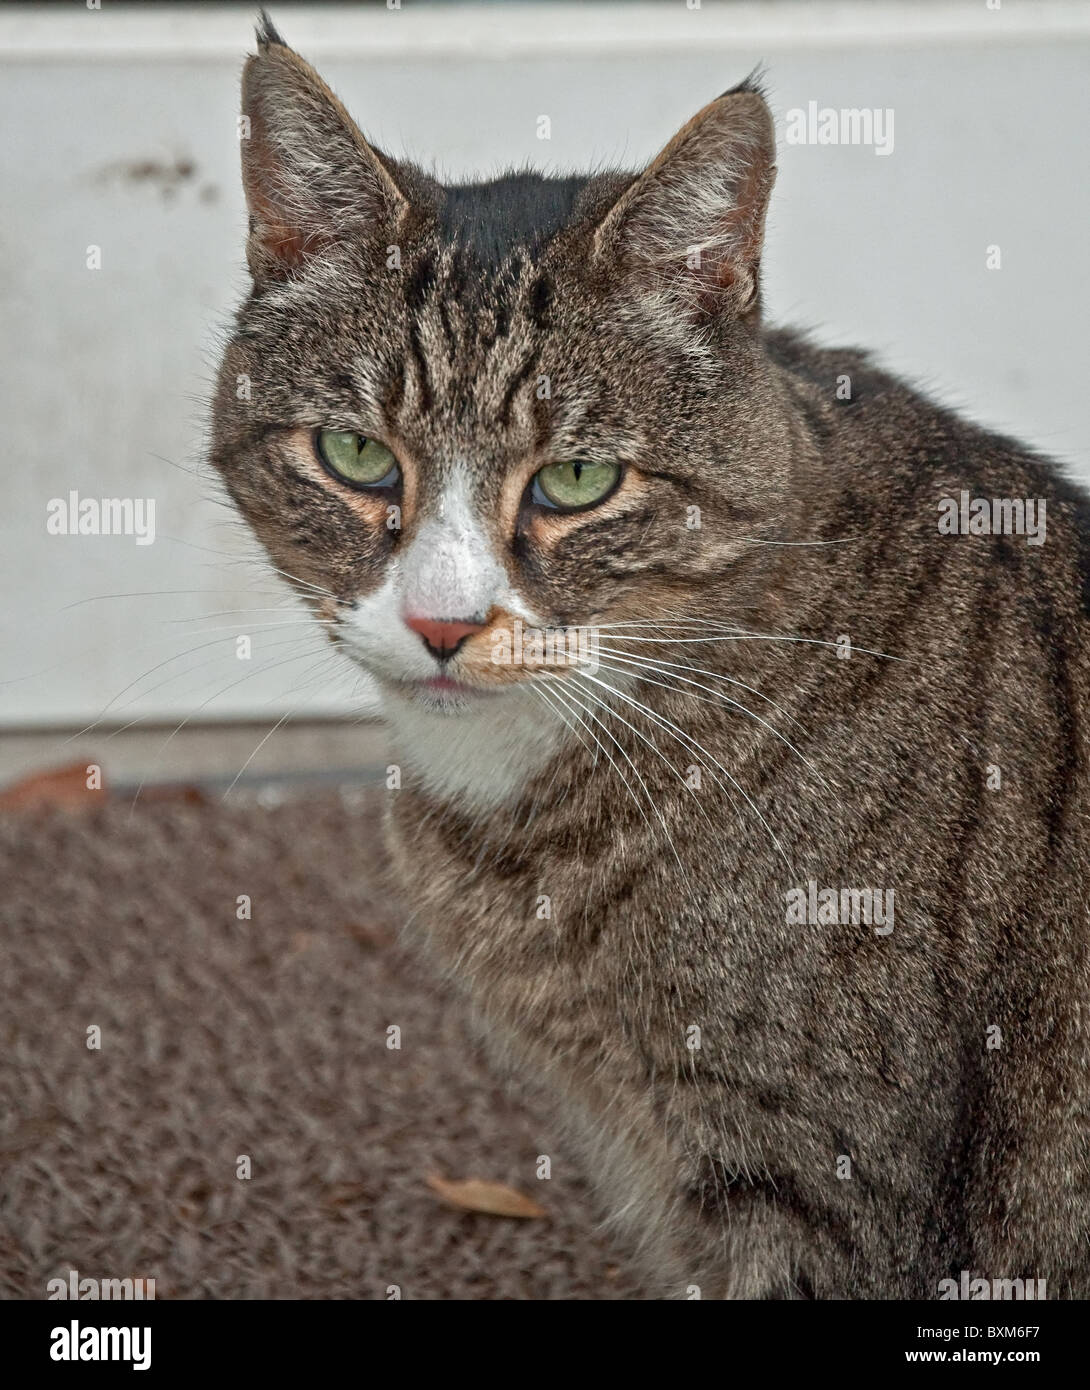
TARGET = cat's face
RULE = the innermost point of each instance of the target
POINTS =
(446, 412)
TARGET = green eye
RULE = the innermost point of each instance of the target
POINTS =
(573, 485)
(357, 460)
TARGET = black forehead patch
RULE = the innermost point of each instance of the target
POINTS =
(489, 221)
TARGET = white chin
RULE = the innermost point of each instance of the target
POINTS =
(444, 701)
(477, 751)
(427, 700)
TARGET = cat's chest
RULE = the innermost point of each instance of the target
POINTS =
(583, 945)
(501, 908)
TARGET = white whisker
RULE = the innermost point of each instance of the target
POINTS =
(689, 740)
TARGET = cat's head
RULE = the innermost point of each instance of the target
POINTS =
(445, 408)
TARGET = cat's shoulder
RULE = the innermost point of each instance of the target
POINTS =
(912, 448)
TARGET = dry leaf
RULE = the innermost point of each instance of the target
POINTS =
(58, 786)
(492, 1198)
(376, 935)
(174, 791)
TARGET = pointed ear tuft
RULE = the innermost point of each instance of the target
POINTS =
(691, 226)
(267, 33)
(310, 178)
(754, 82)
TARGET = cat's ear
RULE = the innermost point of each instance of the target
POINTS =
(309, 176)
(691, 226)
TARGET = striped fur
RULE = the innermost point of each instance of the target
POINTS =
(603, 862)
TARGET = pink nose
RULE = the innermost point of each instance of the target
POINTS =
(442, 638)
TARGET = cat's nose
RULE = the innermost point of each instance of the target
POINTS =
(443, 639)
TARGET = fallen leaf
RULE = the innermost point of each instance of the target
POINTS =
(174, 791)
(492, 1198)
(376, 935)
(57, 786)
(300, 941)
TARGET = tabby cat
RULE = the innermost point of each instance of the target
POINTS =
(779, 875)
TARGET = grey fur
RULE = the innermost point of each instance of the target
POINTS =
(865, 1115)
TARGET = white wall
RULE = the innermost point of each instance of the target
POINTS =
(103, 372)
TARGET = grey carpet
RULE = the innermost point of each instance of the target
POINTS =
(267, 1038)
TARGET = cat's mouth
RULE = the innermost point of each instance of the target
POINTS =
(445, 693)
(451, 684)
